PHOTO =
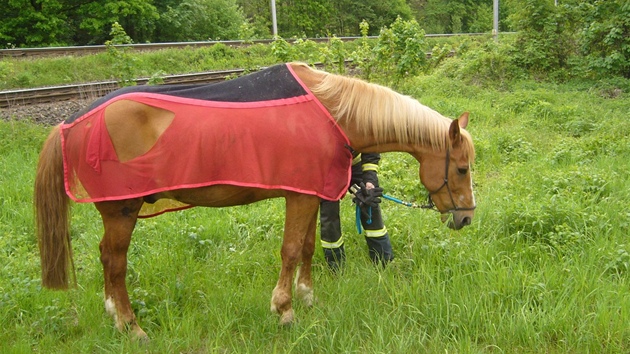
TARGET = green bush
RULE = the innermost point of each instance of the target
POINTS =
(123, 62)
(605, 40)
(485, 64)
(400, 50)
(543, 40)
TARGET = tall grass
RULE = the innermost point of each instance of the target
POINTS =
(543, 268)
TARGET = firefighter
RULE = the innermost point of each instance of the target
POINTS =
(365, 175)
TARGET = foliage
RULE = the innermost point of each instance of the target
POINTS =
(605, 39)
(317, 18)
(455, 16)
(122, 61)
(68, 22)
(400, 50)
(348, 15)
(94, 18)
(293, 22)
(543, 43)
(200, 20)
(362, 54)
(334, 55)
(26, 23)
(484, 64)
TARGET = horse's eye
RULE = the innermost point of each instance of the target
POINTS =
(462, 171)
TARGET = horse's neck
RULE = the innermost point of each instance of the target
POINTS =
(366, 143)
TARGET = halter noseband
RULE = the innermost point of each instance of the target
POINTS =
(431, 205)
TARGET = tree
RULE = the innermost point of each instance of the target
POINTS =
(453, 16)
(543, 36)
(377, 13)
(25, 23)
(95, 18)
(195, 20)
(309, 18)
(605, 39)
(316, 18)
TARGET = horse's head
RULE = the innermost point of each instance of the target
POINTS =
(446, 175)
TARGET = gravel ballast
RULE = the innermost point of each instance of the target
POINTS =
(44, 113)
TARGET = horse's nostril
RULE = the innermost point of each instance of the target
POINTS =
(466, 221)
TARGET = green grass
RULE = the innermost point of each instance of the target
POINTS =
(543, 268)
(27, 73)
(18, 73)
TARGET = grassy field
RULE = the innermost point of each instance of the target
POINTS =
(543, 268)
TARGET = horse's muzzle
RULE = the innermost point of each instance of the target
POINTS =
(457, 222)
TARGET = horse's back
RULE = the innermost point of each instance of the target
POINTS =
(135, 127)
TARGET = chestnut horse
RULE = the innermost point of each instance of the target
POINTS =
(374, 119)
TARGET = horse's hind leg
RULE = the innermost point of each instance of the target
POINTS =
(119, 220)
(301, 215)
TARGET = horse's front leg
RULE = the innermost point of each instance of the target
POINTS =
(301, 217)
(119, 220)
(304, 281)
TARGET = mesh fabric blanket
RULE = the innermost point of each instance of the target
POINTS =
(263, 130)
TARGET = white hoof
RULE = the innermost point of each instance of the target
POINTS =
(305, 294)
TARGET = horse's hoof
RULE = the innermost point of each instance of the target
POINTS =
(286, 319)
(138, 335)
(305, 294)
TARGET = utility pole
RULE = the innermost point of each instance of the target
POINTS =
(495, 27)
(273, 18)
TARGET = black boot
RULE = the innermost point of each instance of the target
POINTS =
(380, 249)
(335, 257)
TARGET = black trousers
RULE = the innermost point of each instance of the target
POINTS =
(374, 229)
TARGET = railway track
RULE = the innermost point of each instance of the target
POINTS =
(94, 90)
(91, 91)
(23, 97)
(92, 49)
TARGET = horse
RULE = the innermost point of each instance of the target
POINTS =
(367, 116)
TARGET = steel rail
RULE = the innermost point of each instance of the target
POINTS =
(91, 91)
(94, 90)
(92, 49)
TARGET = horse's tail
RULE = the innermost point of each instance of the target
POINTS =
(52, 210)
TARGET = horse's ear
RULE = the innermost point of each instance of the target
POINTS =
(453, 132)
(463, 120)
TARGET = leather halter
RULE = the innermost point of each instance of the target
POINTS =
(431, 205)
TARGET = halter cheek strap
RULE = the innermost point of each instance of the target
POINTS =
(431, 205)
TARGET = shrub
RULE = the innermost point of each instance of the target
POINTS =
(543, 41)
(400, 50)
(487, 64)
(123, 62)
(605, 39)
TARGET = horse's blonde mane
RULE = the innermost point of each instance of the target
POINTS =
(386, 114)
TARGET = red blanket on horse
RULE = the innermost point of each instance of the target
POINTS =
(276, 135)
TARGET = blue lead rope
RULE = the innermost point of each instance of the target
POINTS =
(396, 200)
(369, 220)
(358, 218)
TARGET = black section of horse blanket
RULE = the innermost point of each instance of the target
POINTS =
(272, 83)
